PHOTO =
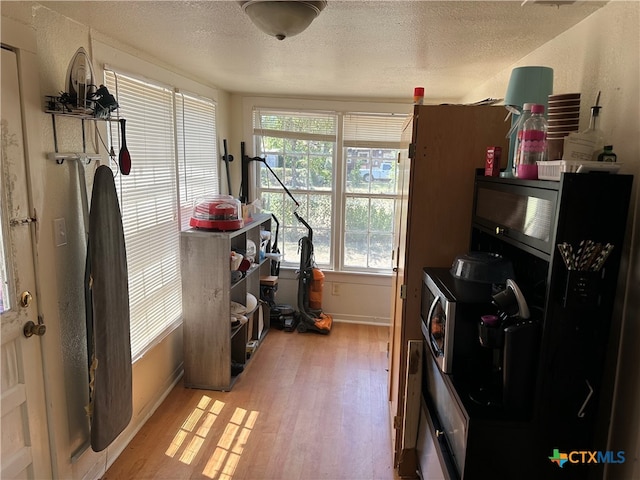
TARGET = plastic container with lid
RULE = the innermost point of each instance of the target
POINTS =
(482, 267)
(217, 212)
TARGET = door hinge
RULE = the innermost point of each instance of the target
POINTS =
(14, 222)
(397, 422)
(403, 292)
(412, 150)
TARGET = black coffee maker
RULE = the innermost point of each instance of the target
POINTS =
(513, 337)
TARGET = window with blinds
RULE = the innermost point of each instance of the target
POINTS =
(371, 130)
(171, 140)
(346, 191)
(300, 149)
(197, 152)
(371, 144)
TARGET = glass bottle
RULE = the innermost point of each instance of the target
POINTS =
(593, 133)
(607, 154)
(533, 147)
(524, 116)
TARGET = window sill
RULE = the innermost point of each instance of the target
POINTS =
(366, 278)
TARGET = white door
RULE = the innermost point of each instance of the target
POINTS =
(25, 443)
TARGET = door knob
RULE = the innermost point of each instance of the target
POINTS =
(31, 329)
(26, 298)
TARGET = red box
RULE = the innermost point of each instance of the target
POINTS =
(492, 165)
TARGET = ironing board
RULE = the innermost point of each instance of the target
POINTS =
(108, 315)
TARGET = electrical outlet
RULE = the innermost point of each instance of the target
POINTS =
(60, 232)
(335, 289)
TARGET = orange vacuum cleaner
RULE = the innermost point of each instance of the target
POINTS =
(311, 282)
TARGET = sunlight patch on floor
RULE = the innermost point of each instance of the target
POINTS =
(186, 434)
(225, 458)
(188, 440)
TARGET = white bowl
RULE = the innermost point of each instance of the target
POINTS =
(252, 302)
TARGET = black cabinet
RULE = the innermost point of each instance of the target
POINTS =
(569, 411)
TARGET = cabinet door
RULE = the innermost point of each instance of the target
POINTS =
(520, 214)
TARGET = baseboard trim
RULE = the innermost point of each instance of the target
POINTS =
(114, 450)
(375, 321)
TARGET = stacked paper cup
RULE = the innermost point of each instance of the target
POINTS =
(563, 118)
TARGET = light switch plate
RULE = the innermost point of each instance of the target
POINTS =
(60, 232)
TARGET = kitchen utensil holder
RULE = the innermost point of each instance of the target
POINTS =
(582, 289)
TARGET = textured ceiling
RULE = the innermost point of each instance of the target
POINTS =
(379, 49)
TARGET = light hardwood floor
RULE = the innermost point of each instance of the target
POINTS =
(308, 406)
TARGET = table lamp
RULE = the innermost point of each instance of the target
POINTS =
(526, 85)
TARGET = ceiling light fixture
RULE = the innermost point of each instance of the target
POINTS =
(281, 18)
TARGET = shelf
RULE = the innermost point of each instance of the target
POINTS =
(239, 282)
(248, 273)
(80, 116)
(85, 157)
(237, 328)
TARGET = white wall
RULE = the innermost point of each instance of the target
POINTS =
(347, 297)
(602, 53)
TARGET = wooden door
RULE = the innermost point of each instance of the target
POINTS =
(25, 444)
(397, 303)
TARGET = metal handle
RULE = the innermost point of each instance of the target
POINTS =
(439, 433)
(500, 231)
(434, 346)
(586, 400)
(395, 269)
(31, 329)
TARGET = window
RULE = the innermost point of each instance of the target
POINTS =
(197, 151)
(173, 159)
(371, 147)
(346, 191)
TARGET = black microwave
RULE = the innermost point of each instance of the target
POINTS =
(449, 319)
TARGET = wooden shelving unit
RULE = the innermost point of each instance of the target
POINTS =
(212, 347)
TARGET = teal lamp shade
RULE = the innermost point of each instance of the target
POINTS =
(526, 85)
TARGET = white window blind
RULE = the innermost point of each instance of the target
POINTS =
(149, 207)
(197, 152)
(318, 126)
(373, 130)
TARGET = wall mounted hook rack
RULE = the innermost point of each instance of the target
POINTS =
(84, 157)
